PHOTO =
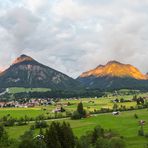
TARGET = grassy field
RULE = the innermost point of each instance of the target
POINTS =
(47, 110)
(90, 104)
(125, 124)
(98, 103)
(21, 112)
(14, 90)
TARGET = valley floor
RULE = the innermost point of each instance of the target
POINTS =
(125, 124)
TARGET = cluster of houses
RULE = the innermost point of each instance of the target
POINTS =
(26, 104)
(16, 104)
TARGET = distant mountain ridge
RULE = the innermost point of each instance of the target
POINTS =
(115, 69)
(27, 72)
(114, 75)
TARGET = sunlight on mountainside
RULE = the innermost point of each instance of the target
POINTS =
(22, 58)
(115, 69)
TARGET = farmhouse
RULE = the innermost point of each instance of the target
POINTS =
(116, 113)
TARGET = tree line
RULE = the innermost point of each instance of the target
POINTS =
(54, 94)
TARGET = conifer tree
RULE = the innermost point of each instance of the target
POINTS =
(59, 136)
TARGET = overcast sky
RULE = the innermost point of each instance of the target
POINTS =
(73, 36)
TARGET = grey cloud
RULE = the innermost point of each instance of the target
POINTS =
(20, 24)
(75, 36)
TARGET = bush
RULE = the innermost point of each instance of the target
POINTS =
(140, 107)
(32, 127)
(132, 108)
(98, 132)
(62, 109)
(146, 135)
(136, 116)
(102, 143)
(141, 132)
(68, 114)
(116, 142)
(105, 110)
(76, 115)
(9, 122)
(20, 123)
(115, 106)
(41, 124)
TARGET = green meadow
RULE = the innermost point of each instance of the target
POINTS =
(125, 124)
(14, 90)
(90, 104)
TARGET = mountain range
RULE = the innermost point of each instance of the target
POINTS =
(114, 75)
(27, 72)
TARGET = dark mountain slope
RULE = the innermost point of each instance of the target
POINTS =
(27, 72)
